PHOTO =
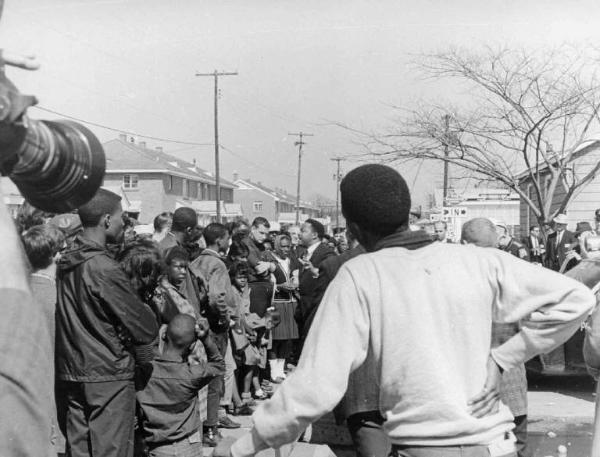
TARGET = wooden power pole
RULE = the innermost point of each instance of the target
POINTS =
(338, 178)
(299, 143)
(216, 75)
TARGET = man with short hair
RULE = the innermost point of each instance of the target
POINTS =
(261, 266)
(441, 231)
(99, 320)
(535, 245)
(311, 237)
(210, 266)
(513, 388)
(422, 317)
(169, 399)
(559, 243)
(42, 245)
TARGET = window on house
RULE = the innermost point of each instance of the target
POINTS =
(130, 181)
(170, 182)
(257, 207)
(186, 188)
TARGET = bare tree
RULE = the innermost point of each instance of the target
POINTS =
(524, 116)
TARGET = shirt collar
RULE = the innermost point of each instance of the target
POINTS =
(310, 250)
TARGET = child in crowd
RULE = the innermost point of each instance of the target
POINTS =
(169, 401)
(248, 342)
(168, 300)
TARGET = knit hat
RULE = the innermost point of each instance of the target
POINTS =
(376, 198)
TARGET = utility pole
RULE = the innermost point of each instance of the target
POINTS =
(446, 153)
(299, 143)
(338, 178)
(216, 75)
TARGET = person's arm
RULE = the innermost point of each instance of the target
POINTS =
(215, 366)
(115, 291)
(219, 286)
(591, 344)
(550, 306)
(321, 378)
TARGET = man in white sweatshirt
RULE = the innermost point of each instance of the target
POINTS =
(423, 317)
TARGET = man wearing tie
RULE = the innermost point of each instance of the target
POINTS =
(535, 245)
(559, 243)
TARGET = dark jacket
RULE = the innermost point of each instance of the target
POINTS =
(169, 400)
(327, 271)
(257, 253)
(308, 283)
(99, 317)
(220, 304)
(556, 253)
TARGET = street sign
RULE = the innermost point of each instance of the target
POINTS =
(454, 211)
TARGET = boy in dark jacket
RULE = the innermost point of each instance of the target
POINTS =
(99, 318)
(169, 401)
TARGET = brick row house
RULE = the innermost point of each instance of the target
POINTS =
(275, 205)
(152, 181)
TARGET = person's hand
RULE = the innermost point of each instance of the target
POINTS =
(485, 403)
(262, 267)
(201, 328)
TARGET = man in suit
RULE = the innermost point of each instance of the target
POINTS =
(559, 243)
(535, 245)
(311, 237)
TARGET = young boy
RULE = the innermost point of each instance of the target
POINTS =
(169, 400)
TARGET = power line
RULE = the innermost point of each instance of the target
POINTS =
(255, 164)
(83, 121)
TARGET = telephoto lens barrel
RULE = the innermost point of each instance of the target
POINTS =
(60, 165)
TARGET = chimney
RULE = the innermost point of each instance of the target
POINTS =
(122, 137)
(236, 176)
(142, 144)
(194, 161)
(159, 148)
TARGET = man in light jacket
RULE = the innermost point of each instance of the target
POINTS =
(424, 317)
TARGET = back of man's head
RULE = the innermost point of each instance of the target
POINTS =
(184, 218)
(376, 198)
(41, 244)
(317, 227)
(213, 232)
(103, 203)
(181, 331)
(480, 232)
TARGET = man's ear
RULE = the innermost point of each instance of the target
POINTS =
(164, 337)
(107, 220)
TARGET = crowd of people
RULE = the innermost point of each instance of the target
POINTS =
(111, 290)
(161, 336)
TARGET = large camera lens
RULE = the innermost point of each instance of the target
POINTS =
(60, 165)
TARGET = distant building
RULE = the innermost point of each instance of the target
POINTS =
(585, 200)
(151, 181)
(275, 205)
(495, 203)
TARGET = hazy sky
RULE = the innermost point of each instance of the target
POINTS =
(131, 64)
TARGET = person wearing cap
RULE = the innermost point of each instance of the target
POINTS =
(420, 314)
(69, 224)
(559, 243)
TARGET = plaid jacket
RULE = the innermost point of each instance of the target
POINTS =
(513, 389)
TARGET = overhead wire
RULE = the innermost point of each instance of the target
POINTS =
(114, 129)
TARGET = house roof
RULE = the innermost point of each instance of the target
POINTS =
(122, 156)
(277, 194)
(585, 148)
